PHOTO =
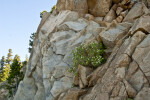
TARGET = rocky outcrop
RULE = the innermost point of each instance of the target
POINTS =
(4, 93)
(85, 6)
(126, 73)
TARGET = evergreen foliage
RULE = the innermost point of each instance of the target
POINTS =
(15, 75)
(9, 56)
(53, 8)
(4, 73)
(41, 13)
(12, 72)
(3, 61)
(31, 42)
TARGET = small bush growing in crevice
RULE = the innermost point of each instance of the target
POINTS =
(53, 8)
(41, 13)
(90, 56)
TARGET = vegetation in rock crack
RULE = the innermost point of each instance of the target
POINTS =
(53, 8)
(41, 13)
(88, 56)
(31, 42)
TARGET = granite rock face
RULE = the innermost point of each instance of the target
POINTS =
(126, 73)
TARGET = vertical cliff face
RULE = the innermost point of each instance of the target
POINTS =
(124, 29)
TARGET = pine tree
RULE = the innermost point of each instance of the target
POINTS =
(5, 68)
(15, 75)
(31, 41)
(9, 56)
(5, 73)
(3, 61)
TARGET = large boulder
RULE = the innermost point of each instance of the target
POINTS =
(136, 12)
(111, 36)
(83, 74)
(61, 86)
(79, 6)
(111, 15)
(143, 56)
(142, 24)
(61, 5)
(74, 94)
(99, 8)
(144, 94)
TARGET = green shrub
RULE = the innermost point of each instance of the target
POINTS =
(90, 55)
(41, 13)
(53, 8)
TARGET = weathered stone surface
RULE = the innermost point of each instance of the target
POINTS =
(63, 40)
(98, 19)
(143, 56)
(116, 1)
(89, 17)
(79, 6)
(130, 91)
(136, 82)
(74, 93)
(60, 70)
(61, 86)
(99, 8)
(148, 2)
(124, 13)
(111, 36)
(135, 12)
(102, 96)
(119, 19)
(144, 94)
(26, 90)
(76, 80)
(76, 26)
(3, 93)
(83, 73)
(119, 10)
(124, 74)
(130, 44)
(94, 76)
(111, 15)
(142, 24)
(61, 5)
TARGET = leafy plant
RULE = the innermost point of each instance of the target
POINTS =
(90, 55)
(41, 13)
(53, 8)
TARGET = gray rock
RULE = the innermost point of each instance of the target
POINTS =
(60, 70)
(61, 86)
(144, 94)
(112, 35)
(142, 56)
(142, 24)
(136, 12)
(99, 11)
(111, 15)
